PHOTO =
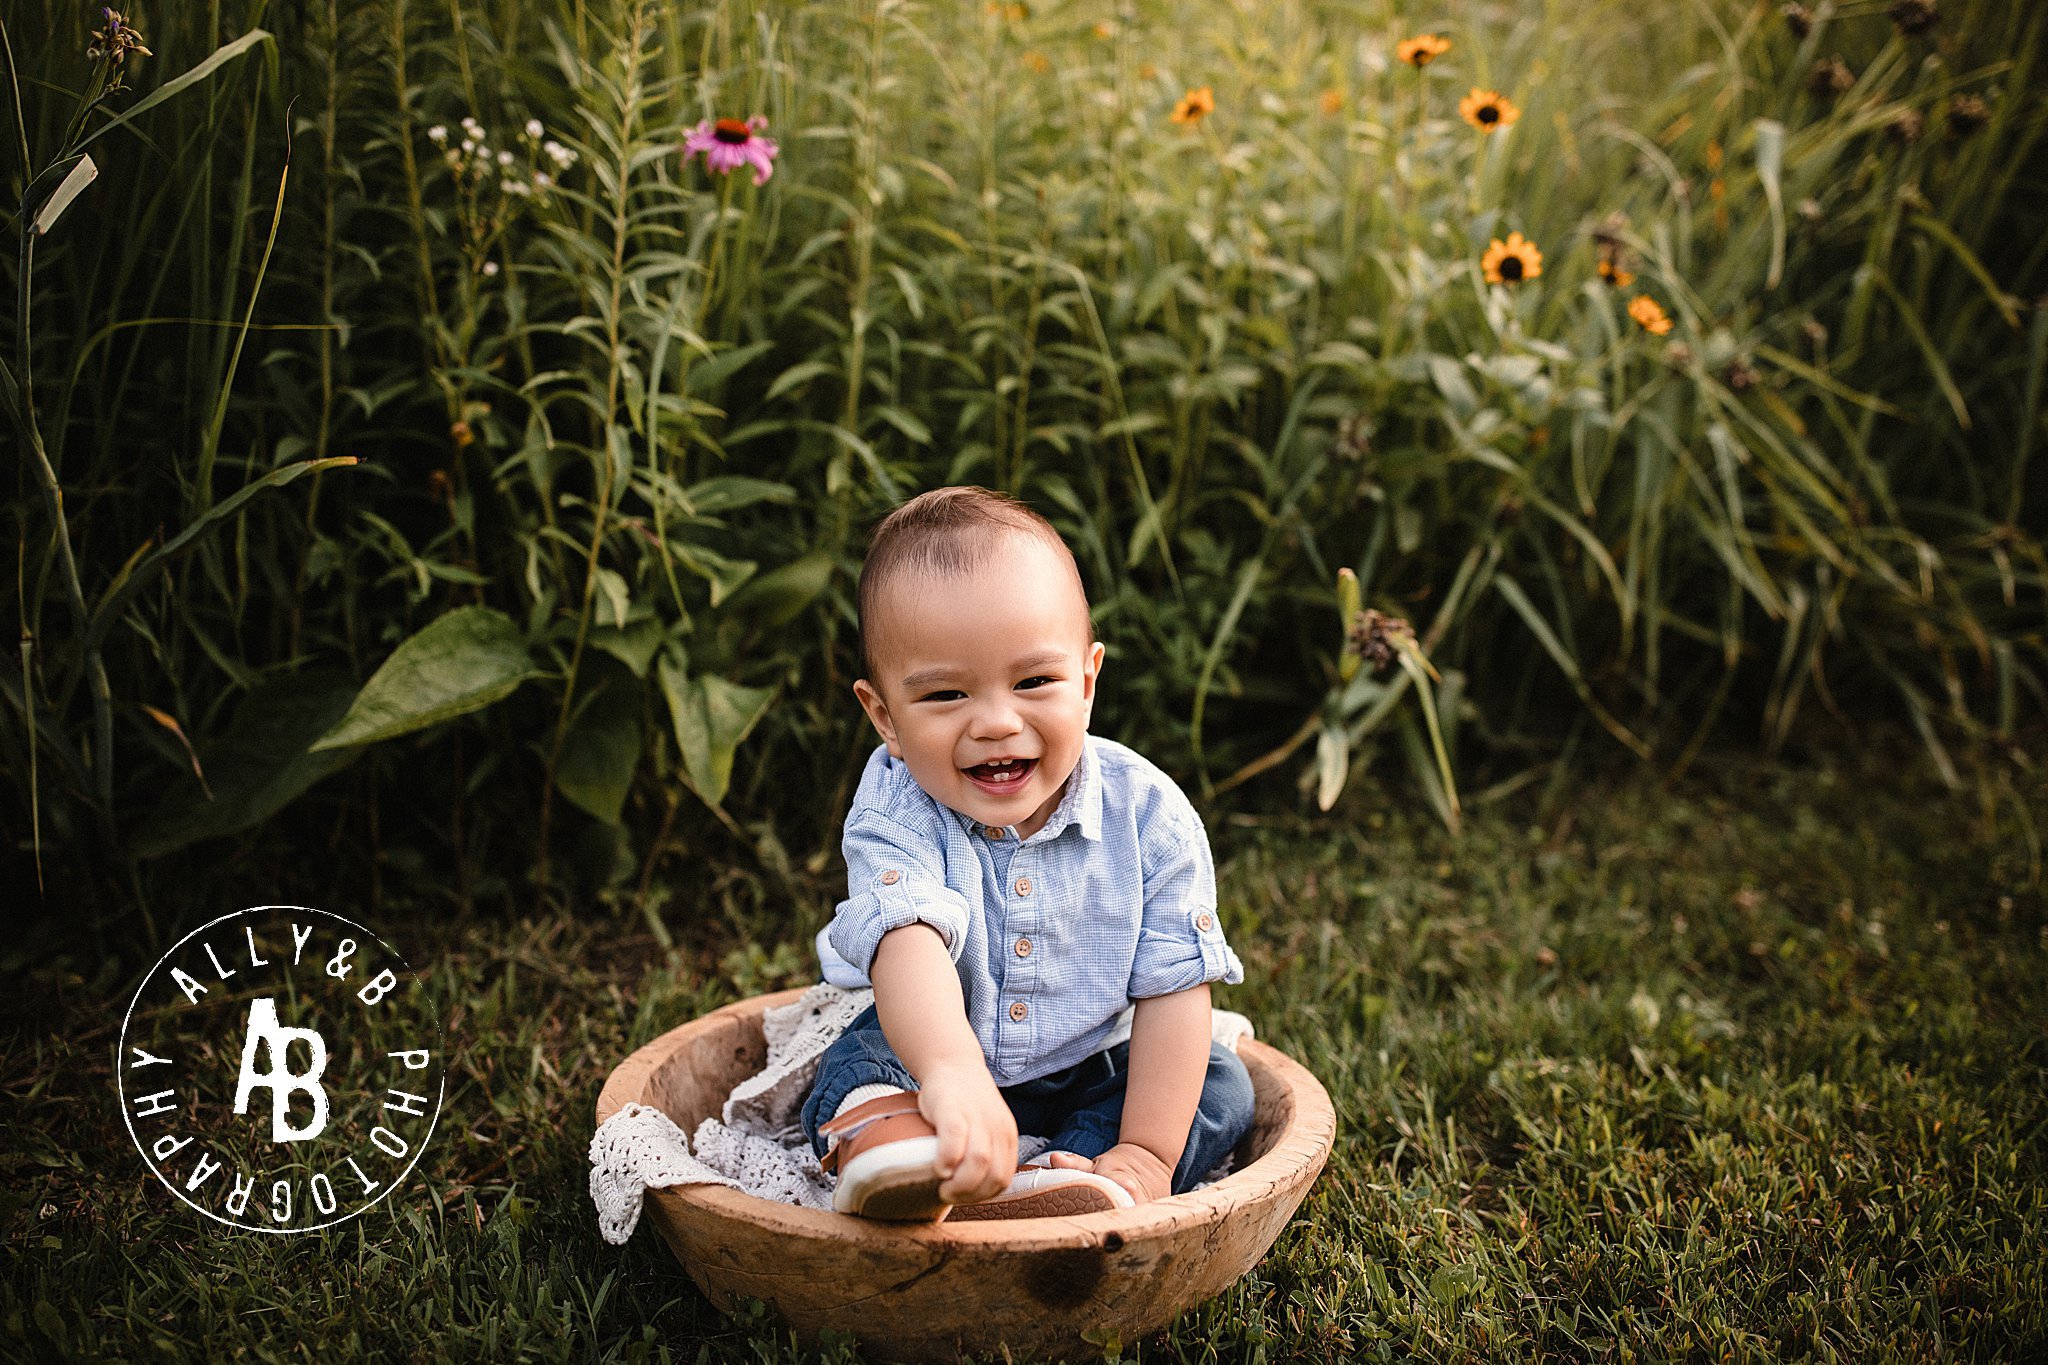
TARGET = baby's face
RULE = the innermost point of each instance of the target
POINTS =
(985, 682)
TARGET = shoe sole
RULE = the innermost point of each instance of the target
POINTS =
(1058, 1201)
(896, 1183)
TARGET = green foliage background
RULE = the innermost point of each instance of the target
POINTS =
(585, 603)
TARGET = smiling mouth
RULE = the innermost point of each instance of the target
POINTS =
(1009, 772)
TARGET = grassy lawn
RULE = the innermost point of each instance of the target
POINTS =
(1752, 1070)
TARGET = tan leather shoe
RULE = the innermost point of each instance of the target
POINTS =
(886, 1155)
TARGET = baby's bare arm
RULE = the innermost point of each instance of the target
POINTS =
(924, 1017)
(1169, 1062)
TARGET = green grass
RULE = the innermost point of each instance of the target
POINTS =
(1756, 1069)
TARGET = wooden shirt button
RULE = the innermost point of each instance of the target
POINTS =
(1023, 886)
(1023, 947)
(1018, 1011)
(1205, 922)
(891, 877)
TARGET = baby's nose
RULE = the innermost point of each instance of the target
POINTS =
(996, 719)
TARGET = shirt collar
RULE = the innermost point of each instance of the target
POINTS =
(1080, 806)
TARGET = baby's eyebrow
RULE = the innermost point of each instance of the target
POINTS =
(1045, 658)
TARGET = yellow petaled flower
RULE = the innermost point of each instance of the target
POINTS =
(1195, 106)
(1422, 49)
(1330, 102)
(1649, 315)
(1611, 271)
(1038, 62)
(1487, 110)
(1512, 261)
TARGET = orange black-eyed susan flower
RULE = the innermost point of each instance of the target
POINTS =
(1512, 261)
(1487, 110)
(1195, 106)
(1330, 102)
(1037, 62)
(1422, 49)
(1612, 271)
(1649, 315)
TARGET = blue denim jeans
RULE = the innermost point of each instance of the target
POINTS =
(1080, 1109)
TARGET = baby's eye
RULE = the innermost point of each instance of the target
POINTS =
(1038, 681)
(943, 694)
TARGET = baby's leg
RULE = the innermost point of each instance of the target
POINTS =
(860, 1057)
(1222, 1118)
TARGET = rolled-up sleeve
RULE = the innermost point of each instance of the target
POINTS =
(894, 877)
(1180, 938)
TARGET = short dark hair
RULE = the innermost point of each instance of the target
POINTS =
(948, 531)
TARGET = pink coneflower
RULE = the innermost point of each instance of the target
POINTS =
(731, 143)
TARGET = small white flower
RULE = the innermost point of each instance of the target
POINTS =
(515, 187)
(533, 128)
(472, 127)
(468, 145)
(504, 158)
(543, 181)
(438, 134)
(490, 267)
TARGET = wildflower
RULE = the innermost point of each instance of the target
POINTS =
(1104, 30)
(1422, 49)
(1512, 261)
(1611, 270)
(438, 134)
(1330, 102)
(1015, 14)
(461, 434)
(1906, 127)
(533, 128)
(1038, 63)
(1195, 106)
(1913, 16)
(543, 182)
(1738, 375)
(473, 128)
(1487, 110)
(1966, 114)
(1649, 315)
(560, 155)
(1799, 19)
(1830, 76)
(1377, 639)
(115, 39)
(504, 158)
(731, 143)
(490, 268)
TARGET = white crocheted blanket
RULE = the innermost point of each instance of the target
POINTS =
(757, 1144)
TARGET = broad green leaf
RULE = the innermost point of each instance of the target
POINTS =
(600, 752)
(258, 767)
(632, 644)
(463, 662)
(776, 598)
(711, 717)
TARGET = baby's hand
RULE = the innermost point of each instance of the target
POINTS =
(1135, 1168)
(977, 1133)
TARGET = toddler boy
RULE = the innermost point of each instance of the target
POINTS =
(1017, 889)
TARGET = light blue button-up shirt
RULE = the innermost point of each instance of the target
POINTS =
(1112, 901)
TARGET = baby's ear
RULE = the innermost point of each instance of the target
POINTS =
(878, 714)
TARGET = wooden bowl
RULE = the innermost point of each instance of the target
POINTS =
(1039, 1286)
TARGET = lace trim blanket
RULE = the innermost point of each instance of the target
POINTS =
(756, 1144)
